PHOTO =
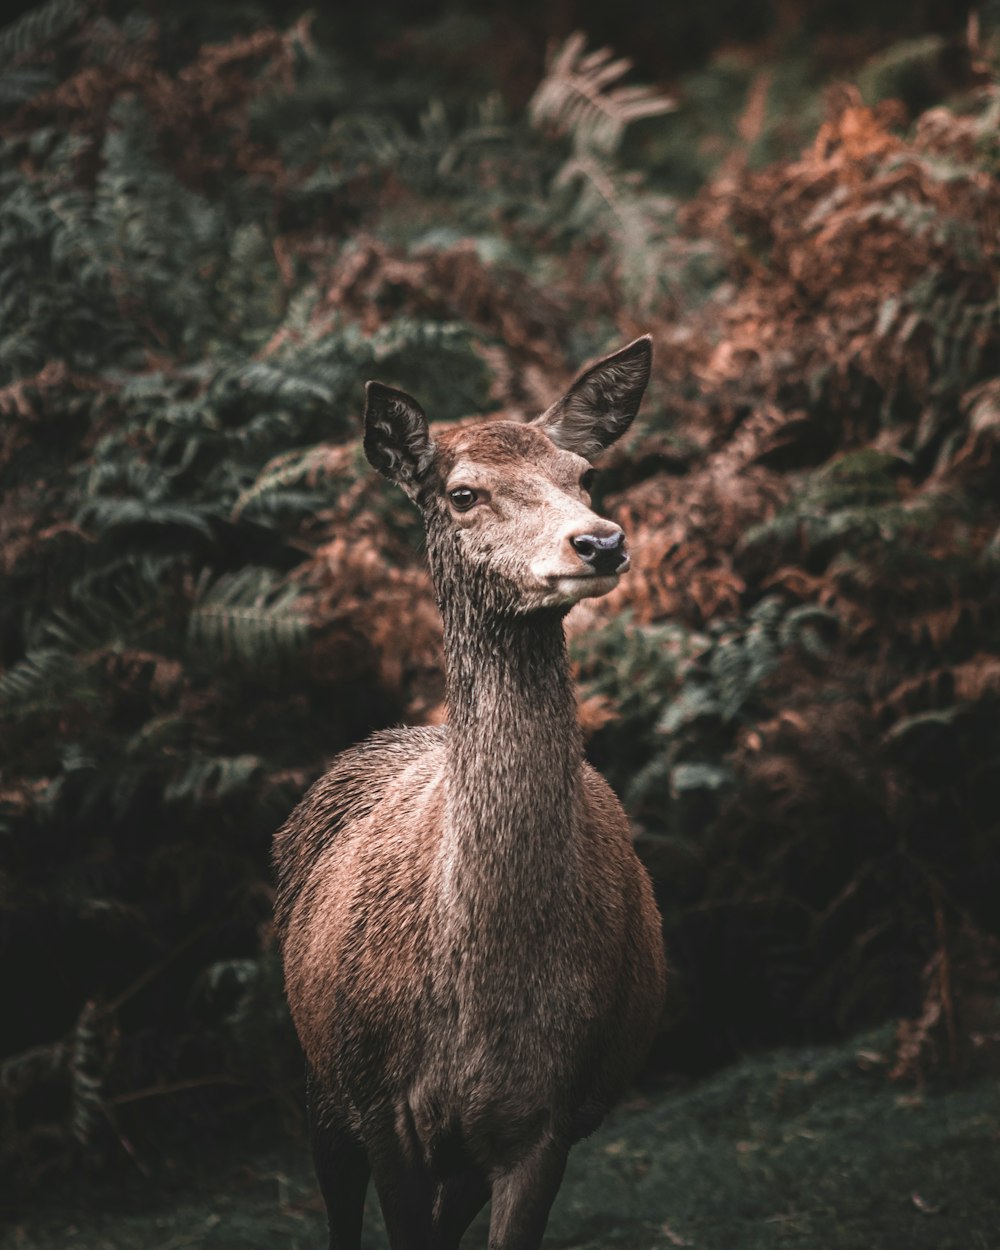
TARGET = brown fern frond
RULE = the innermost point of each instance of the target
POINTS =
(958, 1021)
(579, 97)
(373, 282)
(377, 611)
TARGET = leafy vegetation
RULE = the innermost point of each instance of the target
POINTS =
(205, 249)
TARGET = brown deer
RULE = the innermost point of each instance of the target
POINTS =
(472, 952)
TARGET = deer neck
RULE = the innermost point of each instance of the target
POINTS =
(514, 753)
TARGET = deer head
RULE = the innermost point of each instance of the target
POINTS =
(508, 505)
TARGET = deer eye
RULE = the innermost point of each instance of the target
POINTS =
(462, 498)
(587, 480)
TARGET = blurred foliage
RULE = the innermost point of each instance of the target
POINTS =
(207, 245)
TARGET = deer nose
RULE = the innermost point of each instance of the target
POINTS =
(604, 553)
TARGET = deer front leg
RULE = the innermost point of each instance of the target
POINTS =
(523, 1197)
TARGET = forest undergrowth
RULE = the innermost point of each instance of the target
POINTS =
(207, 247)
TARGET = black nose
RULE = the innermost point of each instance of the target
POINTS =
(604, 555)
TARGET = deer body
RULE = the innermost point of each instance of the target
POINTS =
(472, 952)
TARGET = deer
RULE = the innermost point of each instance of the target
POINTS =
(472, 951)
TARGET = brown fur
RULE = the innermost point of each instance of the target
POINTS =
(472, 951)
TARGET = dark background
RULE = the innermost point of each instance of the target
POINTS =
(215, 222)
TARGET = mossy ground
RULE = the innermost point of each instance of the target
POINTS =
(807, 1148)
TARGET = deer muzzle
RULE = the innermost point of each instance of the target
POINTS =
(605, 554)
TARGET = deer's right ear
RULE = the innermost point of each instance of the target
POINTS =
(601, 404)
(397, 441)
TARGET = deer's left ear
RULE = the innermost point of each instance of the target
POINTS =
(601, 404)
(397, 440)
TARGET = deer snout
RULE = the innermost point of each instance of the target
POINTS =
(604, 553)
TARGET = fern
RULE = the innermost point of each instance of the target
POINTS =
(28, 1069)
(696, 703)
(849, 503)
(581, 95)
(685, 778)
(810, 628)
(443, 152)
(206, 779)
(266, 381)
(118, 608)
(579, 98)
(248, 616)
(651, 257)
(156, 234)
(19, 85)
(441, 362)
(720, 688)
(106, 514)
(88, 1063)
(637, 669)
(271, 491)
(767, 635)
(730, 666)
(44, 677)
(243, 1001)
(64, 308)
(37, 27)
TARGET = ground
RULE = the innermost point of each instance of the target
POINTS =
(808, 1148)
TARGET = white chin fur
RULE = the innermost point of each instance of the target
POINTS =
(563, 592)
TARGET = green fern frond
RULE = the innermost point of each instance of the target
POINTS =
(730, 667)
(440, 363)
(720, 688)
(109, 609)
(38, 27)
(211, 778)
(228, 987)
(88, 1065)
(810, 627)
(443, 154)
(28, 1069)
(125, 489)
(102, 515)
(250, 616)
(696, 703)
(270, 489)
(762, 640)
(158, 732)
(273, 383)
(162, 240)
(45, 679)
(688, 777)
(18, 85)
